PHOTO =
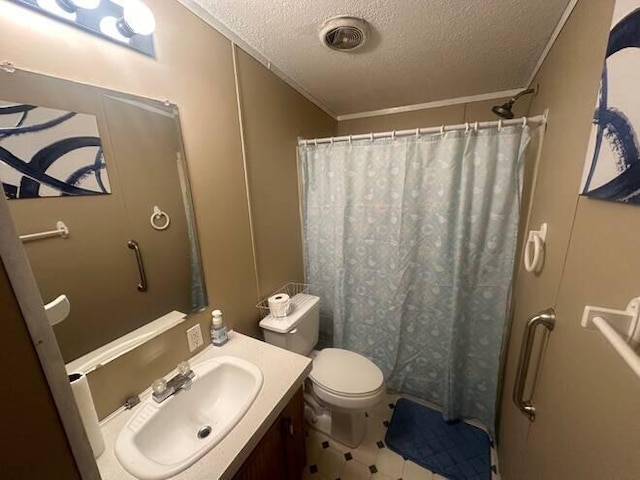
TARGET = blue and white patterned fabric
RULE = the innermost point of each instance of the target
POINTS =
(410, 244)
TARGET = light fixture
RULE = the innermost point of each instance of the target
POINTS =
(137, 19)
(127, 22)
(73, 5)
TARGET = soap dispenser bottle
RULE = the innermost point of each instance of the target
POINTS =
(219, 335)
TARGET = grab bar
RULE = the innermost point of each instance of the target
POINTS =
(133, 245)
(546, 318)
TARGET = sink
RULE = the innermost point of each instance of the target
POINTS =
(162, 439)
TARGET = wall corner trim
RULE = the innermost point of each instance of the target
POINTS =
(200, 12)
(552, 39)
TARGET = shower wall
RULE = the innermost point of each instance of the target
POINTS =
(587, 397)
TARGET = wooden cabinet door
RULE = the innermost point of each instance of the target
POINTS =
(280, 455)
(267, 459)
(292, 420)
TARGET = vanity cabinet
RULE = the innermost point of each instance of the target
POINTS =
(280, 455)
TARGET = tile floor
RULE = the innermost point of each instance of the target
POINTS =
(330, 460)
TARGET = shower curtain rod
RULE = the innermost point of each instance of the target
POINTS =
(474, 126)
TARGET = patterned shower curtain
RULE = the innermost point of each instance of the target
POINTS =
(410, 244)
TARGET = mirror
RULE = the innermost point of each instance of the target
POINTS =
(111, 167)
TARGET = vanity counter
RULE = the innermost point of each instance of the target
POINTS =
(283, 372)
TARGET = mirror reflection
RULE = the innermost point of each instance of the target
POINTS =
(99, 193)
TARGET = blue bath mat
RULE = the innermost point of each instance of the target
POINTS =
(454, 450)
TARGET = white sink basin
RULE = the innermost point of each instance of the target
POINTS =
(162, 439)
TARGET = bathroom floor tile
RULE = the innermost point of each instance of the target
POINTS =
(355, 470)
(372, 460)
(331, 463)
(307, 475)
(381, 476)
(413, 471)
(313, 450)
(366, 453)
(340, 447)
(374, 435)
(389, 463)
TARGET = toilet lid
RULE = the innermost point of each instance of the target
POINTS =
(345, 372)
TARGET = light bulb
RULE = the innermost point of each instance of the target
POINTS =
(109, 26)
(52, 6)
(137, 19)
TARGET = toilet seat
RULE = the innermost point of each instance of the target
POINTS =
(346, 380)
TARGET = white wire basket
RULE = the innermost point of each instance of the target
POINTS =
(291, 289)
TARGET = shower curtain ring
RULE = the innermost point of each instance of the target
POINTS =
(476, 127)
(371, 136)
(349, 139)
(500, 125)
(442, 132)
(393, 135)
(466, 127)
(315, 142)
(417, 133)
(524, 122)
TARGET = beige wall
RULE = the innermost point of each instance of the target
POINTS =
(31, 428)
(593, 395)
(587, 398)
(274, 116)
(194, 69)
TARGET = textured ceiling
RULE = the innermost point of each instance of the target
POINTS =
(420, 50)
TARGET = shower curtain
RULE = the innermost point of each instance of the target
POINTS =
(410, 244)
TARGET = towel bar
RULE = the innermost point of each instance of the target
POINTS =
(620, 328)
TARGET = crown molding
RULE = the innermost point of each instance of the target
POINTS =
(424, 106)
(208, 18)
(552, 39)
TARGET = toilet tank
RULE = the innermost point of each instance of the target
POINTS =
(298, 331)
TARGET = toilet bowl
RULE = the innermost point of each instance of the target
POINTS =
(342, 384)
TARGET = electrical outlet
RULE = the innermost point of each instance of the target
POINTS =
(194, 337)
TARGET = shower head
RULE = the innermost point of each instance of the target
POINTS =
(504, 110)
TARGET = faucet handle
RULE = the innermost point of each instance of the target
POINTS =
(184, 368)
(159, 386)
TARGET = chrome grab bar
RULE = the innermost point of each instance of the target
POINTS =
(546, 318)
(133, 245)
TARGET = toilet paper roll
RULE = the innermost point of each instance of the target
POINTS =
(279, 305)
(82, 394)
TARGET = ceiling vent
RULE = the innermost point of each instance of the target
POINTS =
(344, 34)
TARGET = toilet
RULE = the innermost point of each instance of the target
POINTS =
(341, 385)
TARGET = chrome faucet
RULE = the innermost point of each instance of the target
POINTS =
(163, 389)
